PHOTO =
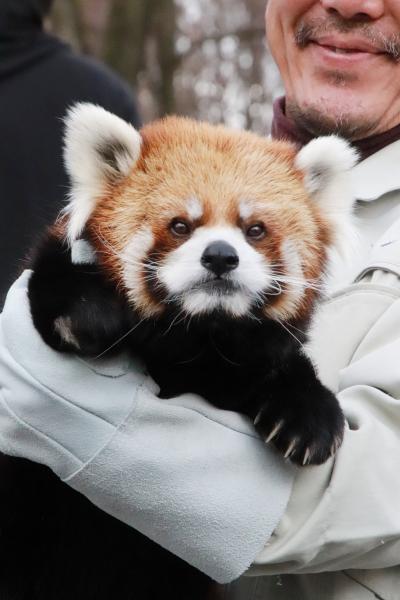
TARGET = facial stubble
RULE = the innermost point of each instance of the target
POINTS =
(316, 119)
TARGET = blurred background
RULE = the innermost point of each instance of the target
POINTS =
(202, 58)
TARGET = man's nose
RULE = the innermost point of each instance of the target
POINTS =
(220, 258)
(353, 9)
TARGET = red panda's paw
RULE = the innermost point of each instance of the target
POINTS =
(306, 428)
(74, 307)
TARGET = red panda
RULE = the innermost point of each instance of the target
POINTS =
(203, 251)
(127, 192)
(217, 243)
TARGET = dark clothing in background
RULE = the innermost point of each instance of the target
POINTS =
(39, 78)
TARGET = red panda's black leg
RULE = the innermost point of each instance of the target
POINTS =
(74, 307)
(299, 415)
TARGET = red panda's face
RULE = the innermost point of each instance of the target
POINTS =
(234, 255)
(203, 266)
(205, 219)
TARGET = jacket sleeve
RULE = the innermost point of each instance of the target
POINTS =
(196, 480)
(345, 514)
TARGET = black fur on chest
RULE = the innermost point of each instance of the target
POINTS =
(220, 358)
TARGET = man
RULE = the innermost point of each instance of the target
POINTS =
(339, 61)
(339, 538)
(40, 77)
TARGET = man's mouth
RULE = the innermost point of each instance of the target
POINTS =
(341, 36)
(338, 53)
(346, 45)
(337, 50)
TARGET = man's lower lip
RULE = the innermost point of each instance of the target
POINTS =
(340, 59)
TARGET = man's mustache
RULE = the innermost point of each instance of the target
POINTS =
(311, 30)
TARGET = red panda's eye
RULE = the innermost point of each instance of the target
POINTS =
(179, 227)
(256, 231)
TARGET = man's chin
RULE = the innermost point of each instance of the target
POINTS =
(331, 116)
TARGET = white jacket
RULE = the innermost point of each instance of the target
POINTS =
(340, 536)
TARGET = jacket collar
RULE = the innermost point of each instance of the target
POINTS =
(378, 174)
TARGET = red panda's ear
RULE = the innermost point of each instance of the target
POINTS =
(326, 163)
(99, 149)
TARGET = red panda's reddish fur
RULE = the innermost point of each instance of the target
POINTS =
(181, 158)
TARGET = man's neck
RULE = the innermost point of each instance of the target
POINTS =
(284, 128)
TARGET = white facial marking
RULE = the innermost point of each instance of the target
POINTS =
(183, 275)
(82, 253)
(295, 276)
(245, 210)
(326, 163)
(290, 275)
(63, 326)
(89, 131)
(133, 256)
(194, 209)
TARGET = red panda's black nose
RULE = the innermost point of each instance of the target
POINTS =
(219, 258)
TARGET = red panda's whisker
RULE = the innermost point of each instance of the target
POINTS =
(276, 287)
(150, 278)
(119, 340)
(277, 265)
(123, 257)
(295, 328)
(175, 321)
(151, 274)
(284, 275)
(294, 278)
(303, 283)
(225, 358)
(189, 322)
(107, 244)
(289, 332)
(253, 317)
(171, 298)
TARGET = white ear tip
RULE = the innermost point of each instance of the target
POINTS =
(84, 113)
(81, 110)
(332, 152)
(100, 148)
(88, 126)
(339, 150)
(323, 160)
(81, 116)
